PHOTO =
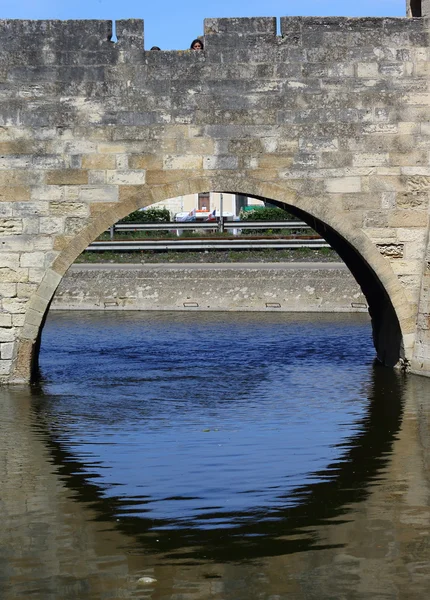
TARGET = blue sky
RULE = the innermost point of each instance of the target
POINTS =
(173, 24)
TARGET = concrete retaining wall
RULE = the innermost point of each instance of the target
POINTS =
(304, 287)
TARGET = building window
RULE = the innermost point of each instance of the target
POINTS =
(204, 201)
(416, 9)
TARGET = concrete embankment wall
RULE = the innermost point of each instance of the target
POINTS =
(302, 287)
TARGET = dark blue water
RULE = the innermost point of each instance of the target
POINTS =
(205, 421)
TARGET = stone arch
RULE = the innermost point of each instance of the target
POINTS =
(393, 320)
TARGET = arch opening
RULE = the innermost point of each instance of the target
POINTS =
(388, 308)
(386, 330)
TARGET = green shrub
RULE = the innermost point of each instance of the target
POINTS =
(150, 215)
(266, 213)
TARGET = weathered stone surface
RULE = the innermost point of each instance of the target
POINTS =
(331, 118)
(213, 287)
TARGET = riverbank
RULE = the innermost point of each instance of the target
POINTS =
(268, 255)
(286, 286)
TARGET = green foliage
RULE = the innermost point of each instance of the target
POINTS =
(150, 215)
(266, 213)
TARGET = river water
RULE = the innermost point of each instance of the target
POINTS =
(185, 456)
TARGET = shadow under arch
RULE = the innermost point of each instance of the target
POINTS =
(392, 315)
(264, 532)
(386, 331)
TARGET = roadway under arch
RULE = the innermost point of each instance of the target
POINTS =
(390, 311)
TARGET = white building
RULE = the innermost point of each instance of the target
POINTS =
(232, 203)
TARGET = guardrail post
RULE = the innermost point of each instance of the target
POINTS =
(221, 214)
(112, 231)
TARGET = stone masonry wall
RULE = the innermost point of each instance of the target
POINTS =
(234, 287)
(330, 117)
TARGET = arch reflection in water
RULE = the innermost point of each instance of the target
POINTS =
(242, 465)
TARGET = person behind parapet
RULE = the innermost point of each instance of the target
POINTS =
(155, 48)
(196, 45)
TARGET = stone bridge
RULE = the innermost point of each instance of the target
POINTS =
(330, 119)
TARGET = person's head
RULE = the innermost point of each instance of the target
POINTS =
(196, 45)
(155, 48)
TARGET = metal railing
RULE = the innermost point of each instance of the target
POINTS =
(191, 225)
(220, 244)
(236, 243)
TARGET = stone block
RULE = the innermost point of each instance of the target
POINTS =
(18, 320)
(13, 275)
(412, 200)
(129, 33)
(30, 209)
(414, 251)
(271, 161)
(182, 162)
(370, 159)
(6, 350)
(388, 200)
(165, 177)
(319, 144)
(228, 162)
(71, 193)
(37, 305)
(10, 226)
(7, 290)
(44, 242)
(6, 210)
(25, 290)
(145, 161)
(32, 259)
(97, 177)
(14, 306)
(241, 27)
(98, 161)
(414, 235)
(96, 193)
(5, 367)
(16, 193)
(391, 250)
(47, 192)
(67, 177)
(406, 267)
(368, 70)
(112, 148)
(121, 162)
(343, 185)
(51, 225)
(5, 319)
(407, 218)
(75, 209)
(130, 177)
(36, 274)
(9, 260)
(20, 178)
(30, 226)
(74, 225)
(359, 202)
